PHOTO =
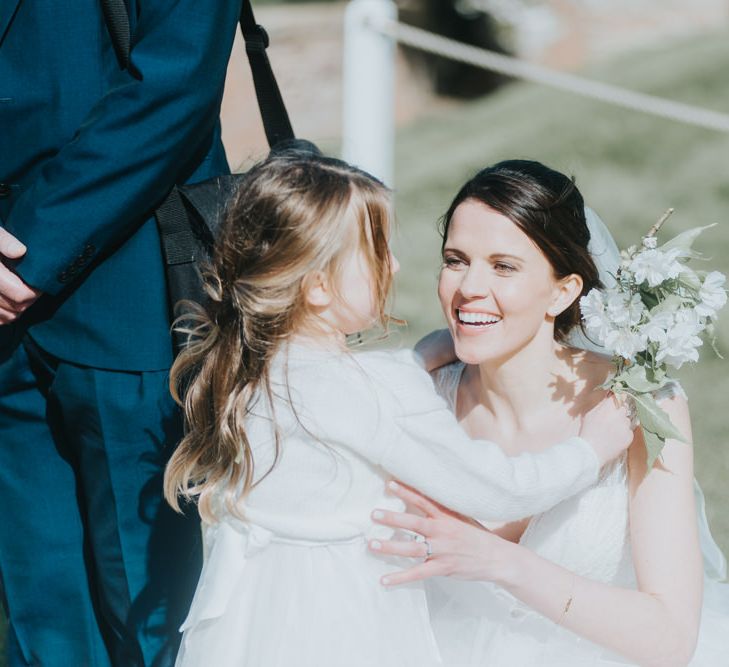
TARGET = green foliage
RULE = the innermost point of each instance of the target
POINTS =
(656, 424)
(636, 379)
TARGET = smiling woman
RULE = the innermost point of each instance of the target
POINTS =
(515, 231)
(611, 576)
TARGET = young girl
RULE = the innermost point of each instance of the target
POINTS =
(290, 436)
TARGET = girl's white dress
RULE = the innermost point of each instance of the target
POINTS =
(293, 585)
(481, 624)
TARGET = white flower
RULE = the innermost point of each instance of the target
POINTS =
(650, 242)
(657, 327)
(595, 317)
(625, 342)
(656, 266)
(712, 295)
(682, 341)
(623, 309)
(690, 279)
(689, 319)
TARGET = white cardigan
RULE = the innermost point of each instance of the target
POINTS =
(349, 420)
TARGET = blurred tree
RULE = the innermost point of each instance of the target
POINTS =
(457, 20)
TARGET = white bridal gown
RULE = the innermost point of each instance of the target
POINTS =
(294, 584)
(481, 624)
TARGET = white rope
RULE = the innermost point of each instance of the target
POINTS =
(650, 104)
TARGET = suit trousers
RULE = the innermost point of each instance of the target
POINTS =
(96, 568)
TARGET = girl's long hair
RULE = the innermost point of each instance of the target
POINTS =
(291, 217)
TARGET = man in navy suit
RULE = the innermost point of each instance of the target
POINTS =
(95, 569)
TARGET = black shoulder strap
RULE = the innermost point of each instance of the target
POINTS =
(117, 22)
(273, 110)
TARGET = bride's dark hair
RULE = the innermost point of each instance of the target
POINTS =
(547, 206)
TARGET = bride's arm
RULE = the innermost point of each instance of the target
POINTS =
(658, 623)
(654, 625)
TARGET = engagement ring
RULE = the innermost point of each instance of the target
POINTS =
(428, 552)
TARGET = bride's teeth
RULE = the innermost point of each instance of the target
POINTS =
(477, 318)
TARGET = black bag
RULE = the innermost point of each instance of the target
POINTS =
(190, 215)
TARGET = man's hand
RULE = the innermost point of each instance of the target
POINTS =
(15, 296)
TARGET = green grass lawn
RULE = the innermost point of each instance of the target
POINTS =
(629, 167)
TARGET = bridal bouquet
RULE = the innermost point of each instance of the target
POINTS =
(652, 320)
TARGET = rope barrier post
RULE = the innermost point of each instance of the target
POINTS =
(368, 124)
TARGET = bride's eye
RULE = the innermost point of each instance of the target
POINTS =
(452, 261)
(501, 267)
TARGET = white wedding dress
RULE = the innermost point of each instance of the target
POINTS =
(481, 624)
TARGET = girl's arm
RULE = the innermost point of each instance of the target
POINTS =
(654, 625)
(393, 416)
(428, 449)
(432, 453)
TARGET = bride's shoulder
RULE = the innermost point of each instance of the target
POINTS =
(585, 368)
(593, 369)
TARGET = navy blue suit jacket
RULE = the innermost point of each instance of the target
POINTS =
(88, 150)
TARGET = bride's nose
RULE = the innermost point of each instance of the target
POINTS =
(475, 283)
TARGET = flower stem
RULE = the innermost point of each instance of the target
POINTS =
(654, 230)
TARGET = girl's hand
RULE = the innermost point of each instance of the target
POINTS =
(454, 545)
(436, 349)
(608, 427)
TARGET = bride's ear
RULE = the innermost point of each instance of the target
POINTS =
(317, 290)
(566, 290)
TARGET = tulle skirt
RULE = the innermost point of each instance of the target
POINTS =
(479, 625)
(267, 603)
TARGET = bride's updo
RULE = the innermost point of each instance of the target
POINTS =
(547, 206)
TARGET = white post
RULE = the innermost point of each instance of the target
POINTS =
(368, 124)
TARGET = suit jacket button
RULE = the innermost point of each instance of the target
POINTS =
(63, 277)
(5, 190)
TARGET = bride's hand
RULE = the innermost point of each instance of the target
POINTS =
(454, 545)
(608, 427)
(436, 349)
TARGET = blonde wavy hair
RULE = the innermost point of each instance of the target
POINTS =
(292, 216)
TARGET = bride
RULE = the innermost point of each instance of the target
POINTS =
(611, 576)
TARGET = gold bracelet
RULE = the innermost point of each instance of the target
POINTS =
(568, 603)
